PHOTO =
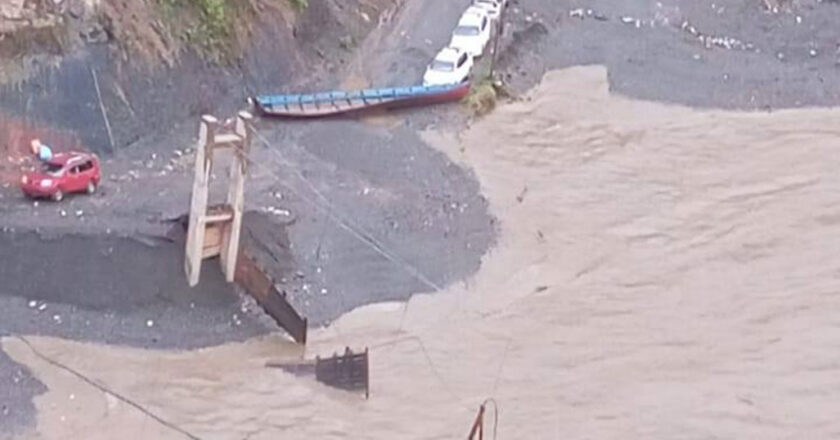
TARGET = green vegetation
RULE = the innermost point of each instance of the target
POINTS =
(482, 97)
(300, 5)
(207, 25)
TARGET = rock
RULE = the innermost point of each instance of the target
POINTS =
(178, 153)
(347, 42)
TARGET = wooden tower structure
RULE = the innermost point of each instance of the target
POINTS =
(215, 230)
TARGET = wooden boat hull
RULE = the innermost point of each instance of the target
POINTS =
(339, 102)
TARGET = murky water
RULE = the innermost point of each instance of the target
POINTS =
(661, 273)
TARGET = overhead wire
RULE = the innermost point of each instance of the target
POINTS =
(327, 207)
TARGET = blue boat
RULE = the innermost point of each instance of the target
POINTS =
(340, 102)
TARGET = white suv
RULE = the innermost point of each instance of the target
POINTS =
(473, 32)
(450, 66)
(493, 7)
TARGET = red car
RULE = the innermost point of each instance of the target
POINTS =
(63, 174)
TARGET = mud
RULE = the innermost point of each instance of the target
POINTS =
(660, 270)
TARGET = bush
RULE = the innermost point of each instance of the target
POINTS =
(300, 5)
(482, 97)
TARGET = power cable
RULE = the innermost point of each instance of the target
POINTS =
(106, 390)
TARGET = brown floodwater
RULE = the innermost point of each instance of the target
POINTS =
(661, 272)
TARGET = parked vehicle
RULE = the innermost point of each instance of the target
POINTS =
(64, 173)
(450, 66)
(472, 32)
(493, 7)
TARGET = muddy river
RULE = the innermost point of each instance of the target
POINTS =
(661, 272)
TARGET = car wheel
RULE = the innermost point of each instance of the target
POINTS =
(91, 187)
(58, 195)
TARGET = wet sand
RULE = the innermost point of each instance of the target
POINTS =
(660, 272)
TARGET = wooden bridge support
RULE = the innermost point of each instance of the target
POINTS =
(214, 231)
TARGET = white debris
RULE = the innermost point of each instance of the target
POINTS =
(323, 291)
(57, 319)
(154, 156)
(798, 19)
(72, 397)
(813, 52)
(627, 20)
(62, 213)
(178, 153)
(780, 56)
(33, 304)
(79, 213)
(365, 17)
(277, 211)
(150, 323)
(428, 41)
(35, 203)
(42, 307)
(576, 13)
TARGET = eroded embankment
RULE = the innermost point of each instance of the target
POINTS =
(117, 71)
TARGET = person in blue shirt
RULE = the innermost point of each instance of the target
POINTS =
(41, 151)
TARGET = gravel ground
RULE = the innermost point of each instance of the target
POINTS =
(774, 60)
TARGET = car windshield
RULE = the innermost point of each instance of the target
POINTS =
(466, 31)
(443, 66)
(52, 169)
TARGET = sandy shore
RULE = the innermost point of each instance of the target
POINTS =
(661, 272)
